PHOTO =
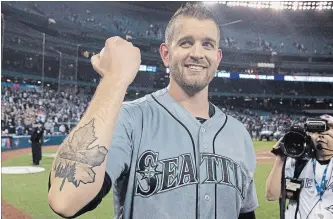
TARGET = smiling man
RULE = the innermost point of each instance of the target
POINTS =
(191, 51)
(172, 154)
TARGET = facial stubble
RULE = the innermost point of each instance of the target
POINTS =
(190, 88)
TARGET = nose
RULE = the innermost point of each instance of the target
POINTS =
(314, 136)
(196, 52)
(320, 136)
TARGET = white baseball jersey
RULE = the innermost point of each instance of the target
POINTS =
(165, 164)
(309, 205)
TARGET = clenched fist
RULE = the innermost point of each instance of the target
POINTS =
(118, 60)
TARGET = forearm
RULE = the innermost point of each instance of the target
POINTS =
(273, 183)
(71, 190)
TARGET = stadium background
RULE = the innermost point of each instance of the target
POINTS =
(277, 69)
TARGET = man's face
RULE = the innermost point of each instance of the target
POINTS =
(325, 139)
(193, 55)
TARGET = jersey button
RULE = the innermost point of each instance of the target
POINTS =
(205, 145)
(203, 130)
(207, 198)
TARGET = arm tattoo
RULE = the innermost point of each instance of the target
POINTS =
(78, 156)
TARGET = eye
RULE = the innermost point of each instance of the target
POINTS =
(185, 44)
(208, 44)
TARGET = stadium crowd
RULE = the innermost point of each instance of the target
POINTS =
(255, 122)
(21, 108)
(59, 112)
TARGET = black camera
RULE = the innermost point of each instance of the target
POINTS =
(298, 144)
(316, 125)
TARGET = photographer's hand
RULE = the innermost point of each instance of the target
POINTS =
(277, 149)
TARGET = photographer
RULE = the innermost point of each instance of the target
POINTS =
(310, 188)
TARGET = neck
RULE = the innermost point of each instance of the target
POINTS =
(197, 104)
(324, 156)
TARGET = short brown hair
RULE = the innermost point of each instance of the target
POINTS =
(193, 10)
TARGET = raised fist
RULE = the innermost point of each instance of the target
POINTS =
(119, 61)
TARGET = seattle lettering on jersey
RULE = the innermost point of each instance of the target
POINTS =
(155, 176)
(309, 183)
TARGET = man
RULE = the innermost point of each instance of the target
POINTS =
(172, 153)
(36, 139)
(316, 194)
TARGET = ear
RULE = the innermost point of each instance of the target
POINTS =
(219, 55)
(164, 52)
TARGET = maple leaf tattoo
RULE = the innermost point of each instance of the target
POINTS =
(76, 159)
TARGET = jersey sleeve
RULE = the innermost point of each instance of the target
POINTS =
(119, 155)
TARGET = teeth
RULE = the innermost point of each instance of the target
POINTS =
(195, 67)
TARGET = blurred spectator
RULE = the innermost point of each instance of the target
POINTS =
(21, 108)
(60, 112)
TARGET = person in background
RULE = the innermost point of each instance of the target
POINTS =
(36, 142)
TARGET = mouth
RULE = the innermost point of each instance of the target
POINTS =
(321, 142)
(195, 67)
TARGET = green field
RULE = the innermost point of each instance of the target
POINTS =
(29, 192)
(263, 145)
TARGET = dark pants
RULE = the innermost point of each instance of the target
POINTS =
(251, 133)
(36, 152)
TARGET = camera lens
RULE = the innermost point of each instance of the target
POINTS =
(294, 144)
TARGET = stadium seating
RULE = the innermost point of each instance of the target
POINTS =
(62, 110)
(59, 112)
(143, 25)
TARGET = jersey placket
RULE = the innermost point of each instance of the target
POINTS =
(207, 174)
